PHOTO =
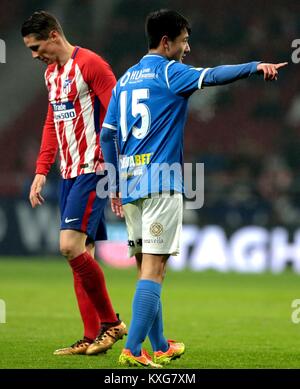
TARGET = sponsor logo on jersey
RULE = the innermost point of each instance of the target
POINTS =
(137, 76)
(133, 165)
(63, 111)
(134, 160)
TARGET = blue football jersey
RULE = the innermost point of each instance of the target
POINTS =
(148, 109)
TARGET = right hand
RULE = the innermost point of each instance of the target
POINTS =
(270, 70)
(37, 185)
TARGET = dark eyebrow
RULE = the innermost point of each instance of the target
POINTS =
(34, 48)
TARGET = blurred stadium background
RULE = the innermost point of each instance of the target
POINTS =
(246, 134)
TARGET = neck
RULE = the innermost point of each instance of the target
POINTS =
(65, 52)
(158, 51)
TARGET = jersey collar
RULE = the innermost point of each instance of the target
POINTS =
(154, 55)
(75, 51)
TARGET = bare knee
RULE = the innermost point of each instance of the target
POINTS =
(72, 243)
(153, 267)
(67, 250)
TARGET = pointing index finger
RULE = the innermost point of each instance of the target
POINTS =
(281, 65)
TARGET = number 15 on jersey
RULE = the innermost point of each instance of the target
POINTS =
(137, 109)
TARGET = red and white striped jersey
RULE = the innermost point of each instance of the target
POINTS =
(78, 93)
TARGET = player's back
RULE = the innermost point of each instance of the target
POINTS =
(151, 116)
(148, 109)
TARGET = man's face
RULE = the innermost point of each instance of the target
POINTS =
(179, 47)
(44, 50)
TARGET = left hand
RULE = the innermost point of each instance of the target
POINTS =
(270, 70)
(116, 205)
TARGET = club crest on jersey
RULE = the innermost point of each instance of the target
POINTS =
(67, 86)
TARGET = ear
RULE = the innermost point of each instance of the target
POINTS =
(165, 42)
(53, 35)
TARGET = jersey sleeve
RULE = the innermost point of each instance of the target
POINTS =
(100, 78)
(49, 145)
(108, 141)
(182, 79)
(225, 74)
(110, 120)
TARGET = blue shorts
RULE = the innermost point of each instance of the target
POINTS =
(81, 209)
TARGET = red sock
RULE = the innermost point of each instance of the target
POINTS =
(93, 282)
(89, 315)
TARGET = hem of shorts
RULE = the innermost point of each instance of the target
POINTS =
(89, 236)
(74, 229)
(174, 254)
(164, 253)
(80, 230)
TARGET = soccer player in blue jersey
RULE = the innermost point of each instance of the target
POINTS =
(142, 136)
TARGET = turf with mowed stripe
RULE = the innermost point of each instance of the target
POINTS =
(225, 320)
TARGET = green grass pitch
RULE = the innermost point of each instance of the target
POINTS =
(226, 320)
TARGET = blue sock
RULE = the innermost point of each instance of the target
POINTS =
(156, 334)
(144, 310)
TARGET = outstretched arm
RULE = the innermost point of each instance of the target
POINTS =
(226, 74)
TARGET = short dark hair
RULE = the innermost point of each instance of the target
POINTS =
(41, 23)
(164, 22)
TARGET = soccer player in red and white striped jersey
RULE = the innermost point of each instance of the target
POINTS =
(79, 84)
